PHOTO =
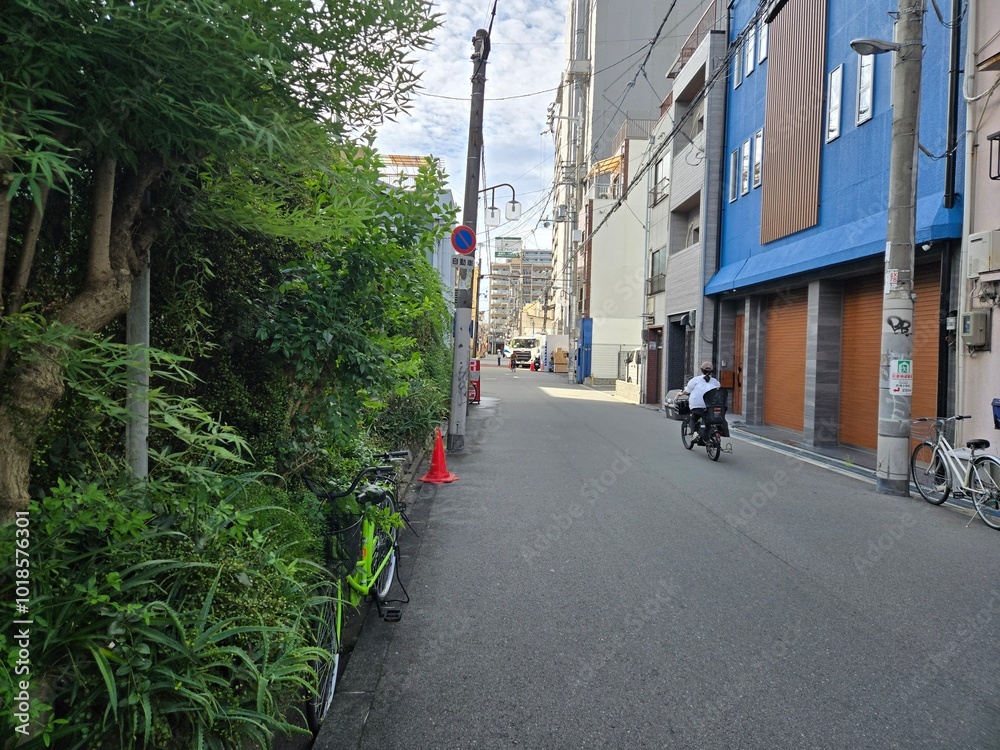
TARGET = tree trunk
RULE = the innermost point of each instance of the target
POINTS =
(37, 387)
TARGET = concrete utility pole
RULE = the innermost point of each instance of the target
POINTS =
(470, 208)
(896, 373)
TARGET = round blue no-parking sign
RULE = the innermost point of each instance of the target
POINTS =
(463, 239)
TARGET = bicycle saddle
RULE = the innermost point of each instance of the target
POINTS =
(977, 445)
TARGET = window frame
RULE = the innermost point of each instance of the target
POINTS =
(762, 32)
(834, 102)
(734, 172)
(749, 50)
(745, 168)
(738, 66)
(865, 92)
(758, 158)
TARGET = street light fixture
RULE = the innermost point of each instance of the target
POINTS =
(869, 46)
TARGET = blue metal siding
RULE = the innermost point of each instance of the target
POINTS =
(854, 168)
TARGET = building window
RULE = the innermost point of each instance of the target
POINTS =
(734, 170)
(758, 157)
(834, 92)
(762, 42)
(866, 87)
(657, 272)
(750, 49)
(693, 236)
(660, 182)
(738, 66)
(745, 168)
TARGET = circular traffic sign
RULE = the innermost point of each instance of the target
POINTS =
(463, 239)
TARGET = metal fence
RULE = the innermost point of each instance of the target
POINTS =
(610, 362)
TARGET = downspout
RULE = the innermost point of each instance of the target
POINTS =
(954, 85)
(968, 218)
(944, 306)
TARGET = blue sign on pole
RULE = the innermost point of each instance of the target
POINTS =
(463, 239)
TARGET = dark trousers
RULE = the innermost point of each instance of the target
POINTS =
(694, 421)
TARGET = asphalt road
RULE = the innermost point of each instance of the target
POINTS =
(588, 583)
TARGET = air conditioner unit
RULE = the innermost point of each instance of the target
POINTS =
(984, 253)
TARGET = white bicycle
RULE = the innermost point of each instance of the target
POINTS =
(940, 471)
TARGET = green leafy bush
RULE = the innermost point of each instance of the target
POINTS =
(164, 620)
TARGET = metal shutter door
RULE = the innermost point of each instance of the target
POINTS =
(862, 351)
(785, 361)
(861, 346)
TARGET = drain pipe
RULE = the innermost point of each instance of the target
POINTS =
(954, 85)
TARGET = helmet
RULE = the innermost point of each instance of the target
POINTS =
(707, 367)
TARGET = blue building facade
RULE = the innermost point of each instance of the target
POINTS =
(803, 227)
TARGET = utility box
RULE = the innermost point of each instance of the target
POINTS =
(976, 328)
(983, 253)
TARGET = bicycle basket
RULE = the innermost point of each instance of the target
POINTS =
(343, 542)
(925, 430)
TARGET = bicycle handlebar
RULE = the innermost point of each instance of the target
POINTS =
(957, 417)
(330, 495)
(393, 456)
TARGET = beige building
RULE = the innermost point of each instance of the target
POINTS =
(979, 360)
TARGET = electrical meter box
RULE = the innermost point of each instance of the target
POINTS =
(976, 327)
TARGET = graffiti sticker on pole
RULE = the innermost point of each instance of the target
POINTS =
(901, 377)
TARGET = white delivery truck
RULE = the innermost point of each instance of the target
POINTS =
(526, 348)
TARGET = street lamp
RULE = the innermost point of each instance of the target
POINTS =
(896, 362)
(512, 210)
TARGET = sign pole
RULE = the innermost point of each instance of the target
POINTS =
(463, 286)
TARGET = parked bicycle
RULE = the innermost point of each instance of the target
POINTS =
(361, 554)
(941, 471)
(713, 426)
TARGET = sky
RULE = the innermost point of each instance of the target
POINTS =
(526, 59)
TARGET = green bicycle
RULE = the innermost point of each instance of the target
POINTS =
(361, 553)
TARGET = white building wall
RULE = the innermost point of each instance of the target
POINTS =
(979, 375)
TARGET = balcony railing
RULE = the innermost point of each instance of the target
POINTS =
(656, 284)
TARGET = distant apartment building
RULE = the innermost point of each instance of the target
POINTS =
(516, 283)
(614, 72)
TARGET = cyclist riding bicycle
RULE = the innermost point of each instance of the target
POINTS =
(696, 389)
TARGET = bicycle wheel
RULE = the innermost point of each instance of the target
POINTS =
(686, 437)
(329, 620)
(986, 489)
(714, 445)
(385, 544)
(930, 474)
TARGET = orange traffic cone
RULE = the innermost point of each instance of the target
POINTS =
(438, 473)
(532, 367)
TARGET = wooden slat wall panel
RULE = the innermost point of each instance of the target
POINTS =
(793, 125)
(785, 361)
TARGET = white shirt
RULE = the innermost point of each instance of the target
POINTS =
(697, 388)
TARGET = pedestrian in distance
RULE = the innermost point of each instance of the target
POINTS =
(696, 389)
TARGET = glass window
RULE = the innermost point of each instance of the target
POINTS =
(834, 93)
(866, 86)
(738, 66)
(750, 49)
(734, 167)
(745, 168)
(758, 157)
(762, 42)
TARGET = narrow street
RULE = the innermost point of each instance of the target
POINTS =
(588, 583)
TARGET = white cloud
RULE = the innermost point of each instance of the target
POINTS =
(527, 55)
